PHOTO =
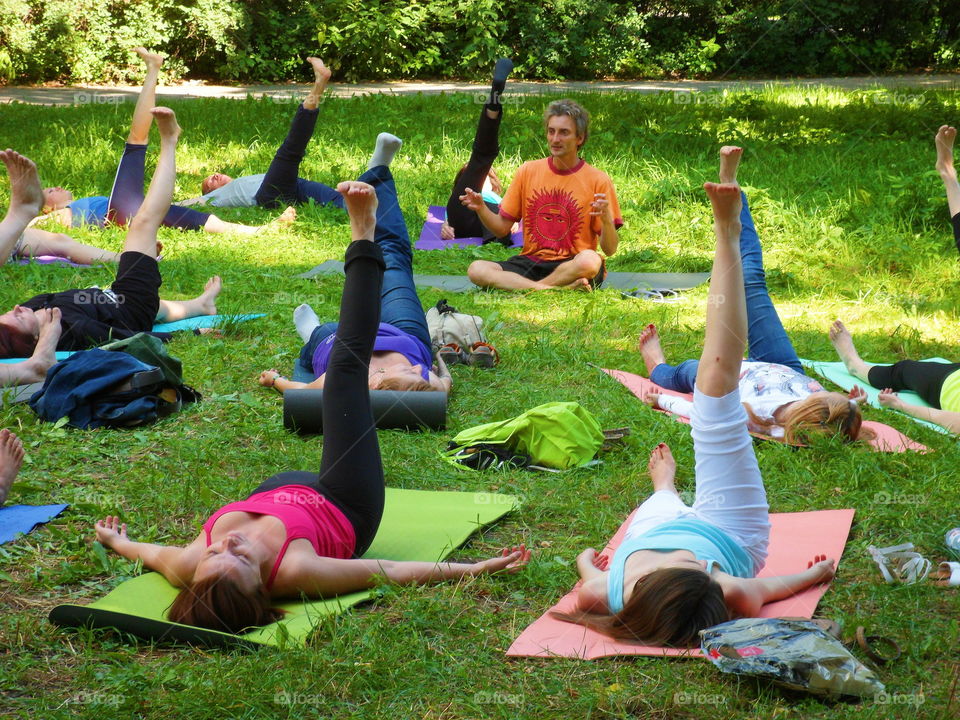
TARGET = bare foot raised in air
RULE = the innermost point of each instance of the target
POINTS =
(150, 59)
(166, 123)
(729, 162)
(663, 468)
(361, 202)
(208, 298)
(945, 138)
(843, 343)
(649, 346)
(725, 199)
(26, 193)
(11, 458)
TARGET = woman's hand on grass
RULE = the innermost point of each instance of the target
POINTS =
(509, 560)
(446, 231)
(652, 399)
(110, 530)
(268, 378)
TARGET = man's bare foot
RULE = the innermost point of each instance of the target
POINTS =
(361, 202)
(649, 346)
(663, 468)
(45, 352)
(729, 161)
(151, 60)
(287, 217)
(11, 458)
(843, 343)
(321, 76)
(321, 72)
(944, 141)
(26, 193)
(208, 298)
(725, 199)
(166, 123)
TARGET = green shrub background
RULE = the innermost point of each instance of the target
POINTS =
(88, 40)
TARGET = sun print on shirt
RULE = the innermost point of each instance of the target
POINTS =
(555, 220)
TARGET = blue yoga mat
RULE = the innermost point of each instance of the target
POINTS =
(16, 519)
(204, 321)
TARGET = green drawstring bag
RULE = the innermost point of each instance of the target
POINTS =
(559, 435)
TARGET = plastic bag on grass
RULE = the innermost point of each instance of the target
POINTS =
(794, 653)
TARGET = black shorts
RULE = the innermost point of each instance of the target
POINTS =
(537, 270)
(137, 288)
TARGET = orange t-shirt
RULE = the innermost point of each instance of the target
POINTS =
(555, 207)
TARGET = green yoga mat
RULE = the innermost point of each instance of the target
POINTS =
(837, 373)
(417, 525)
(652, 282)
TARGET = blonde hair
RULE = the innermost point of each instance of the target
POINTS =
(831, 414)
(398, 383)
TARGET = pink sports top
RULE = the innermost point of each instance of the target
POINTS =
(305, 513)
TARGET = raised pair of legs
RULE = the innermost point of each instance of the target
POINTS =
(142, 232)
(126, 195)
(26, 203)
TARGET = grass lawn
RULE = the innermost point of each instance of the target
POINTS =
(854, 225)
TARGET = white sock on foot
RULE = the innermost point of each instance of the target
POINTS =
(387, 146)
(305, 320)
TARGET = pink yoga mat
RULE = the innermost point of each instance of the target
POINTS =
(48, 259)
(430, 234)
(886, 438)
(795, 539)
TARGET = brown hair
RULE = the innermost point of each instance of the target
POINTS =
(830, 414)
(395, 383)
(669, 606)
(218, 603)
(16, 344)
(573, 110)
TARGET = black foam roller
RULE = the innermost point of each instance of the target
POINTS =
(392, 409)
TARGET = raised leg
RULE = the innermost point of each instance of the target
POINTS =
(280, 182)
(142, 233)
(843, 344)
(26, 200)
(399, 303)
(351, 471)
(945, 138)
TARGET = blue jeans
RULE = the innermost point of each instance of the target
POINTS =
(399, 303)
(767, 341)
(282, 183)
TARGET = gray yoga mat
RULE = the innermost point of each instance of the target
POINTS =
(656, 282)
(18, 393)
(392, 410)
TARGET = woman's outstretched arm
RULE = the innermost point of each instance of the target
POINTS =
(174, 563)
(944, 418)
(726, 331)
(326, 577)
(745, 597)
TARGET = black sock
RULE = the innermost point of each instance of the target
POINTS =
(500, 74)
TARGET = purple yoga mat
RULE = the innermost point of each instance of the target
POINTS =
(430, 235)
(47, 259)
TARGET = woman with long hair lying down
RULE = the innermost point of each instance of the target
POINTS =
(781, 401)
(301, 533)
(681, 569)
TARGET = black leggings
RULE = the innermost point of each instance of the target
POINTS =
(486, 146)
(351, 473)
(923, 378)
(956, 229)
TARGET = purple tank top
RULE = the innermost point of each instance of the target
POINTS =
(389, 339)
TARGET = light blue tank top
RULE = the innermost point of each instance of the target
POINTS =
(89, 211)
(707, 542)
